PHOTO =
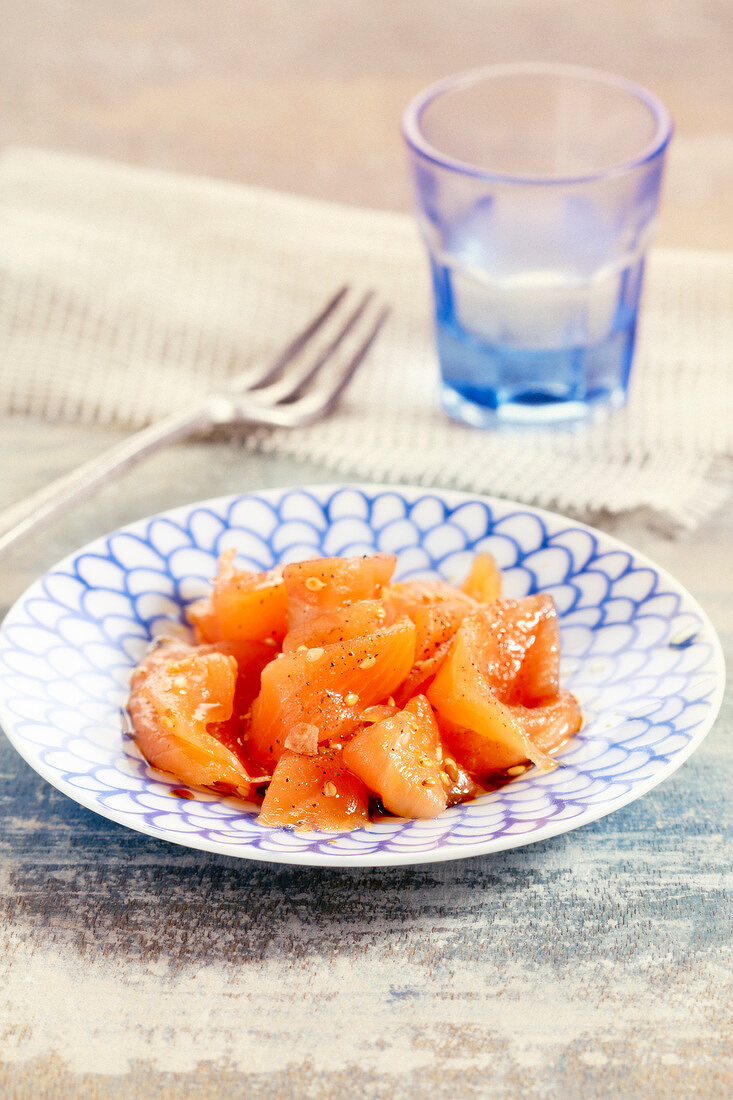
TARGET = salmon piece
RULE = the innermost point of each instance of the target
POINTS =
(550, 724)
(501, 637)
(436, 608)
(460, 785)
(483, 582)
(484, 695)
(233, 735)
(180, 698)
(202, 617)
(538, 678)
(248, 606)
(489, 750)
(397, 759)
(328, 686)
(338, 625)
(243, 606)
(325, 584)
(251, 658)
(436, 625)
(246, 618)
(422, 675)
(314, 792)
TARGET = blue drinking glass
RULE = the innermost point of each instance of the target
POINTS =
(537, 191)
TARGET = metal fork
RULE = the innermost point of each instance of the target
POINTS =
(302, 384)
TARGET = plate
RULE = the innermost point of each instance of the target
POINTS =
(638, 652)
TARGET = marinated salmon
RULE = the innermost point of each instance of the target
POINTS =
(398, 760)
(504, 661)
(329, 687)
(338, 625)
(505, 736)
(483, 582)
(309, 792)
(180, 698)
(326, 685)
(436, 608)
(325, 584)
(515, 642)
(422, 675)
(243, 606)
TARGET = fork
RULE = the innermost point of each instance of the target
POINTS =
(271, 394)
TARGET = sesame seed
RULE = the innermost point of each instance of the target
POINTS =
(314, 654)
(167, 722)
(451, 767)
(302, 649)
(314, 584)
(368, 662)
(179, 683)
(429, 781)
(518, 769)
(329, 789)
(439, 753)
(336, 745)
(351, 699)
(445, 779)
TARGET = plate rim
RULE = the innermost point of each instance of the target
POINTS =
(387, 858)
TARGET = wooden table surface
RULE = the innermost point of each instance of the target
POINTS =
(593, 965)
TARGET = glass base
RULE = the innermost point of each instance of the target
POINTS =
(490, 386)
(516, 414)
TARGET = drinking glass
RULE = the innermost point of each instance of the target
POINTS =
(537, 189)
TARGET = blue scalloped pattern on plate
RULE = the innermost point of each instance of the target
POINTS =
(637, 651)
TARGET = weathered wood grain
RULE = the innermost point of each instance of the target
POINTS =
(594, 964)
(591, 962)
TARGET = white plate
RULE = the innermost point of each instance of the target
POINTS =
(638, 652)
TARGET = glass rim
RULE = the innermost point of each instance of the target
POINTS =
(418, 143)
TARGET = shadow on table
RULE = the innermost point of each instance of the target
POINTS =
(85, 877)
(83, 882)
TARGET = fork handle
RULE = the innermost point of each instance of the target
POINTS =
(35, 511)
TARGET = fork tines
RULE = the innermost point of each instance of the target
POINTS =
(310, 374)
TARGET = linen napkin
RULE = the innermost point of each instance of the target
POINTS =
(126, 292)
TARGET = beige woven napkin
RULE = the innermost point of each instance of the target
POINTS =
(125, 292)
